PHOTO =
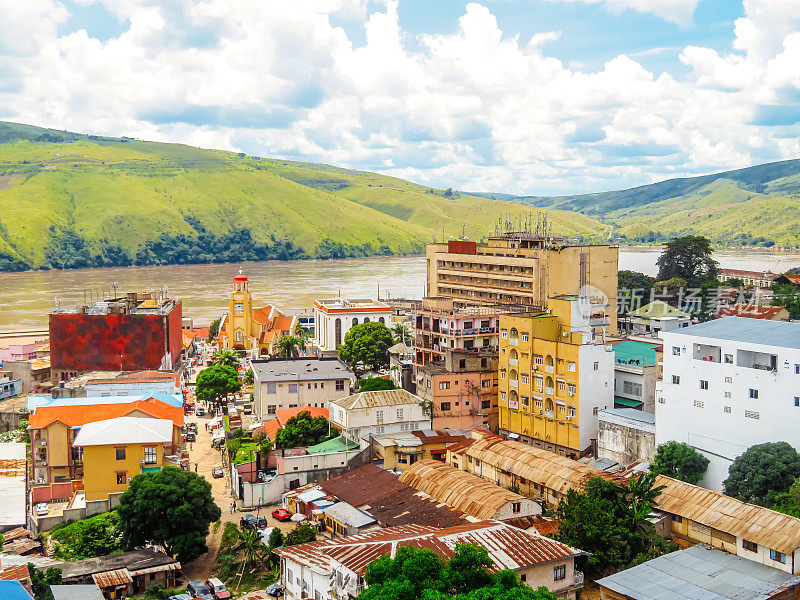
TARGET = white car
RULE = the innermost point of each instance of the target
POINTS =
(41, 509)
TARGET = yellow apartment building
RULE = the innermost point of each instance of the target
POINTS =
(555, 374)
(116, 450)
(523, 268)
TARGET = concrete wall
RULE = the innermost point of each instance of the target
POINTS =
(42, 524)
(625, 445)
(309, 393)
(9, 418)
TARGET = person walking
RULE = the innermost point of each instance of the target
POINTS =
(231, 507)
(234, 506)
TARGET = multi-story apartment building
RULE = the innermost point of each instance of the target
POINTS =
(555, 374)
(370, 413)
(635, 375)
(729, 384)
(441, 324)
(462, 391)
(522, 268)
(334, 318)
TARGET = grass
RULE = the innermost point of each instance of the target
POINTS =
(246, 453)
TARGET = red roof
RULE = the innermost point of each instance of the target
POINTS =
(754, 311)
(17, 573)
(240, 277)
(738, 272)
(77, 415)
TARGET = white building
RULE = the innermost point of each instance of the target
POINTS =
(370, 413)
(289, 383)
(729, 384)
(334, 318)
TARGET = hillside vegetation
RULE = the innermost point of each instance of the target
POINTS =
(73, 200)
(754, 206)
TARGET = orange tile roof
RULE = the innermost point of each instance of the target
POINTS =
(16, 573)
(80, 414)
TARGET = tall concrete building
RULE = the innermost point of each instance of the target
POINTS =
(522, 268)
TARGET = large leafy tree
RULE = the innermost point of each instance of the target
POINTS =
(214, 383)
(366, 346)
(171, 507)
(788, 296)
(303, 430)
(689, 258)
(226, 356)
(763, 473)
(213, 329)
(301, 534)
(679, 460)
(633, 281)
(421, 574)
(41, 580)
(371, 384)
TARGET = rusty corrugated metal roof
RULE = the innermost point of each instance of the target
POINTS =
(461, 490)
(112, 578)
(756, 524)
(551, 470)
(378, 398)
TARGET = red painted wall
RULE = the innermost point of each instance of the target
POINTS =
(462, 247)
(175, 325)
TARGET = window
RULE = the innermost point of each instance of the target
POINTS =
(524, 377)
(309, 385)
(729, 359)
(729, 380)
(502, 395)
(632, 388)
(753, 394)
(486, 404)
(445, 406)
(571, 411)
(271, 388)
(516, 507)
(150, 455)
(777, 556)
(525, 402)
(486, 383)
(726, 409)
(595, 411)
(504, 334)
(562, 386)
(676, 351)
(571, 389)
(559, 572)
(596, 366)
(292, 388)
(537, 403)
(484, 362)
(703, 384)
(444, 385)
(403, 426)
(752, 414)
(538, 381)
(676, 379)
(751, 546)
(379, 415)
(677, 518)
(339, 385)
(321, 385)
(462, 363)
(120, 453)
(525, 337)
(698, 404)
(122, 477)
(561, 409)
(502, 373)
(727, 394)
(570, 366)
(523, 578)
(379, 429)
(538, 359)
(797, 400)
(399, 414)
(796, 369)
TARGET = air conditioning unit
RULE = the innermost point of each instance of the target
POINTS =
(534, 368)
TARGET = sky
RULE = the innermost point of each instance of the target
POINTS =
(532, 97)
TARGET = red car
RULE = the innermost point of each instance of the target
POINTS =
(282, 514)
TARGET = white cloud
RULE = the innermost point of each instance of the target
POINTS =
(476, 109)
(679, 12)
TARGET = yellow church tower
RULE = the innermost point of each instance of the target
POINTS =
(240, 331)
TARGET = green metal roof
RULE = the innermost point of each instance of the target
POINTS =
(627, 402)
(339, 444)
(640, 354)
(656, 309)
(151, 469)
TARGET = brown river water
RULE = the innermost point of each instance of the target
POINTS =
(26, 298)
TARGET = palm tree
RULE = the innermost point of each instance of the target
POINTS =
(250, 544)
(401, 332)
(226, 357)
(642, 494)
(289, 346)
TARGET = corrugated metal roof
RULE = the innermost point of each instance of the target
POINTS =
(378, 398)
(112, 578)
(747, 521)
(698, 573)
(348, 515)
(461, 490)
(551, 470)
(125, 430)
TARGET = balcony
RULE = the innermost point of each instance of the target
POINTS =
(513, 383)
(514, 362)
(549, 414)
(549, 369)
(514, 341)
(549, 390)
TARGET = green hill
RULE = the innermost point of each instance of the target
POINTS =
(757, 205)
(74, 200)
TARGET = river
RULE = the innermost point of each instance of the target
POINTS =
(27, 297)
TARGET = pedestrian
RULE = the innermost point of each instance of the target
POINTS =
(195, 467)
(234, 506)
(231, 507)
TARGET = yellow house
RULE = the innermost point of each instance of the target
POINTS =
(116, 450)
(555, 374)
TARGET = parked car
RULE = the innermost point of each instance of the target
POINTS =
(247, 409)
(41, 509)
(192, 427)
(275, 590)
(216, 472)
(191, 436)
(282, 514)
(218, 589)
(199, 411)
(181, 597)
(198, 589)
(250, 521)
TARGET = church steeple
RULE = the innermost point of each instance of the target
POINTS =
(241, 331)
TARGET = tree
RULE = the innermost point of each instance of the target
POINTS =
(670, 286)
(762, 473)
(289, 346)
(641, 494)
(252, 548)
(735, 282)
(788, 296)
(633, 281)
(401, 332)
(213, 329)
(689, 258)
(249, 377)
(227, 357)
(214, 383)
(366, 346)
(275, 538)
(679, 460)
(468, 569)
(372, 384)
(171, 507)
(42, 580)
(301, 534)
(303, 430)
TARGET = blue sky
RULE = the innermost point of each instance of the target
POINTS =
(521, 96)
